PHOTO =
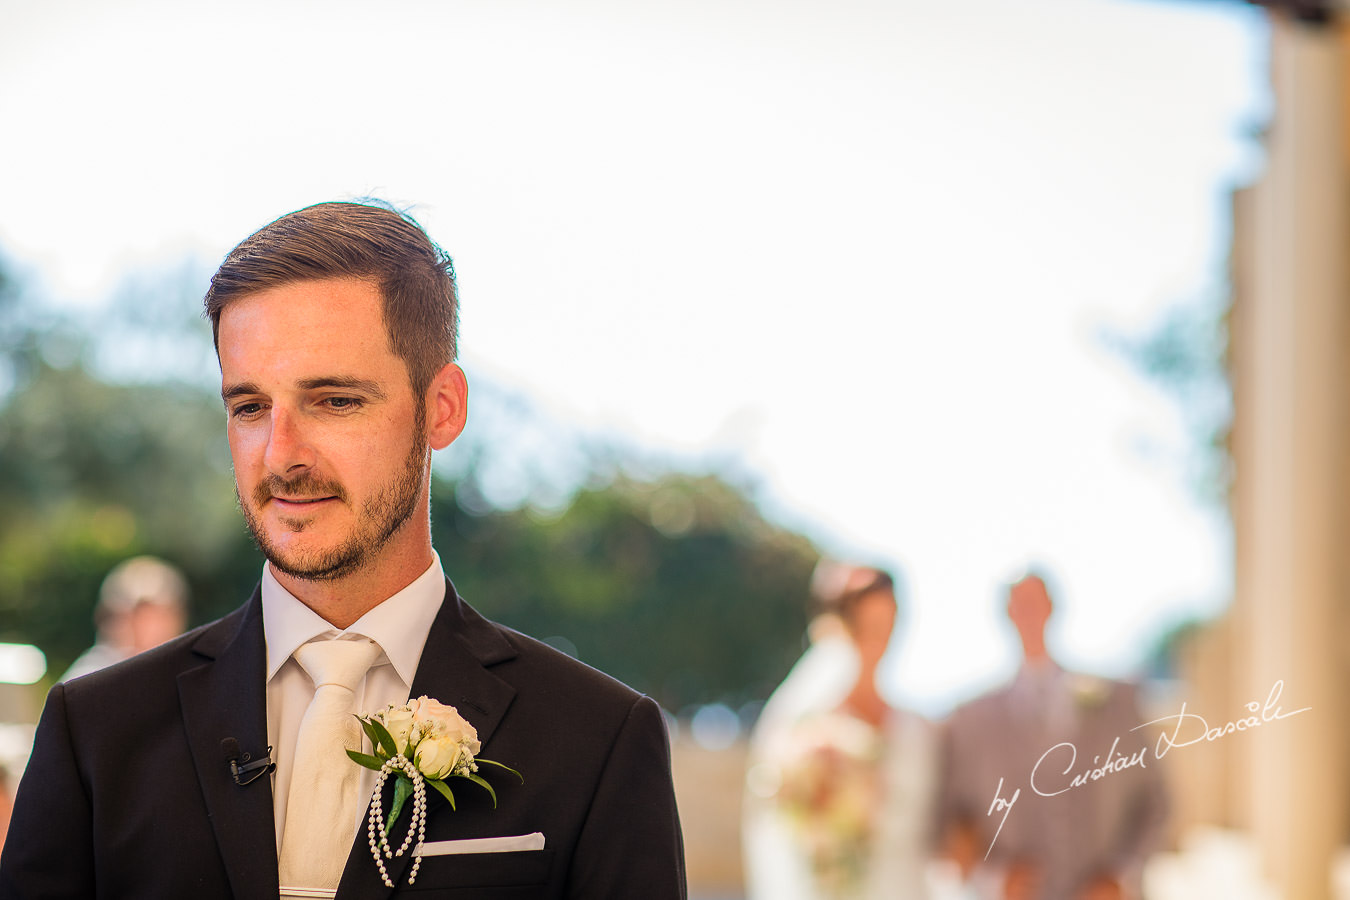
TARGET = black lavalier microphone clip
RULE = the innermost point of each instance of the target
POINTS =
(249, 772)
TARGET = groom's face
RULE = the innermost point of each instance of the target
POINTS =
(327, 438)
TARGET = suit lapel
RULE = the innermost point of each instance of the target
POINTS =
(455, 666)
(454, 669)
(225, 697)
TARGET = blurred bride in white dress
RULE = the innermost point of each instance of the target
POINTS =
(838, 802)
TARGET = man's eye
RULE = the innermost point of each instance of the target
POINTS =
(342, 402)
(245, 410)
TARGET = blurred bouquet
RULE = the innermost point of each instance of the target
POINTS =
(830, 794)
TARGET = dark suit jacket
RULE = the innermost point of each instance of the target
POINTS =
(128, 793)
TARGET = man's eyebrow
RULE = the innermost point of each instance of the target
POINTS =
(360, 385)
(244, 388)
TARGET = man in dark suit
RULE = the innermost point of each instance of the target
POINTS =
(335, 329)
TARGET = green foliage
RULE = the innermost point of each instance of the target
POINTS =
(1185, 353)
(92, 473)
(678, 586)
(93, 470)
(673, 583)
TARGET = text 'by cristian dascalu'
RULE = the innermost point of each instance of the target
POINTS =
(1050, 776)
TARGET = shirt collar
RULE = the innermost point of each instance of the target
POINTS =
(399, 624)
(1039, 676)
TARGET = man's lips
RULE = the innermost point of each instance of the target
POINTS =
(299, 502)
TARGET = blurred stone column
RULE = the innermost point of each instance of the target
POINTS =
(1291, 445)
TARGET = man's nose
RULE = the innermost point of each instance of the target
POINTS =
(288, 449)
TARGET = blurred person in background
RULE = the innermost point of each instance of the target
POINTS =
(141, 604)
(823, 675)
(838, 785)
(1088, 842)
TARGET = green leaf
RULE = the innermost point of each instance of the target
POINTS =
(383, 738)
(365, 759)
(368, 727)
(500, 766)
(403, 789)
(444, 789)
(477, 779)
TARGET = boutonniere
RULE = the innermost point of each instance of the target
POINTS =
(423, 742)
(1090, 692)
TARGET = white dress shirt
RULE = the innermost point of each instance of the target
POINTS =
(399, 626)
(1043, 695)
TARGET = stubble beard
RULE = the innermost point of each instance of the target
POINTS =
(379, 519)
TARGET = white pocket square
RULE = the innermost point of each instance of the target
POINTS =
(482, 845)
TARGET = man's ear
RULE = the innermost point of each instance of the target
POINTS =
(447, 406)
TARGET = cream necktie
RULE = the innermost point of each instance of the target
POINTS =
(322, 804)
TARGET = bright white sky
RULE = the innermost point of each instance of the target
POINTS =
(865, 249)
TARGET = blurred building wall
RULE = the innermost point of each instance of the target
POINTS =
(1288, 782)
(708, 789)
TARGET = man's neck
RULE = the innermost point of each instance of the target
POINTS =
(1039, 663)
(342, 601)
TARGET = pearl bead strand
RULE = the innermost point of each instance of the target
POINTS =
(376, 826)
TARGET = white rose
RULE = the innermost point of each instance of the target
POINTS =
(436, 720)
(437, 757)
(398, 720)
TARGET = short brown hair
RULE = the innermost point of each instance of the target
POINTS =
(367, 239)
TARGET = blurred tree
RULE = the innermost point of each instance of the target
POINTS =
(677, 586)
(91, 473)
(1184, 352)
(112, 443)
